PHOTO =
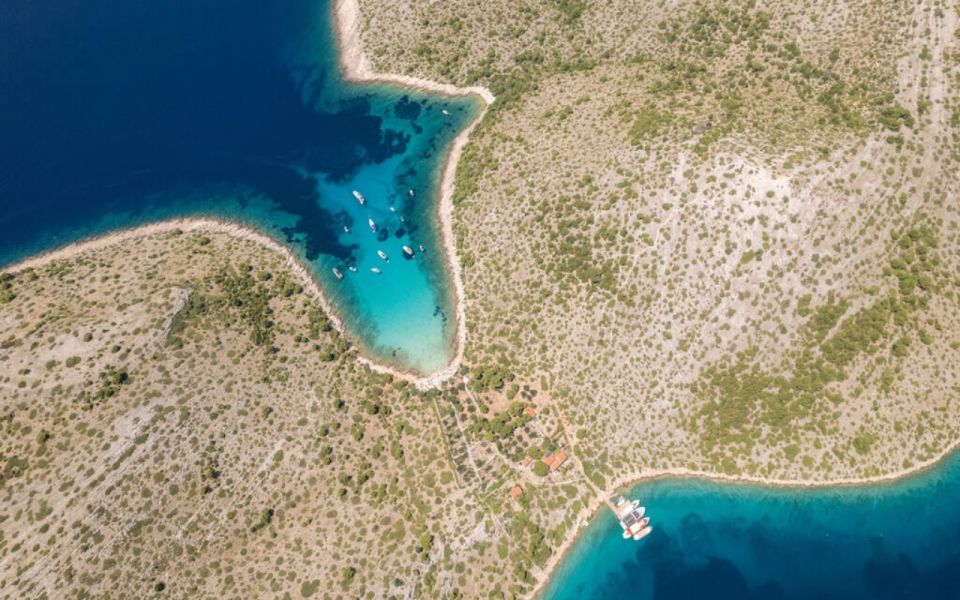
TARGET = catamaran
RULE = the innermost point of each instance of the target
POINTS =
(359, 197)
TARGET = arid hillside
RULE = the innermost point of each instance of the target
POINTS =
(702, 226)
(187, 424)
(708, 236)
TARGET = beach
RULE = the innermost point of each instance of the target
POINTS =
(211, 225)
(356, 67)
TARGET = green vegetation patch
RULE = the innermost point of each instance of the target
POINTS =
(501, 426)
(6, 288)
(746, 404)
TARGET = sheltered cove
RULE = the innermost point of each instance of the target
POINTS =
(354, 68)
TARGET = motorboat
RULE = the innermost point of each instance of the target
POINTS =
(631, 517)
(359, 197)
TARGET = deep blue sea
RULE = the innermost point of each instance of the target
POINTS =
(115, 113)
(724, 541)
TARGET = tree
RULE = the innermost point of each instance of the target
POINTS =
(540, 468)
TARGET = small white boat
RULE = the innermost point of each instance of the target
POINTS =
(445, 112)
(346, 229)
(352, 268)
(643, 533)
(359, 197)
(411, 192)
(382, 255)
(421, 248)
(408, 250)
(392, 209)
(619, 502)
(373, 226)
(402, 220)
(375, 270)
(337, 273)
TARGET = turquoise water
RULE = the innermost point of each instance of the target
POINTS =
(115, 113)
(711, 540)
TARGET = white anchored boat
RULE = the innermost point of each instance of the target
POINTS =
(411, 192)
(337, 273)
(421, 248)
(359, 197)
(408, 251)
(630, 515)
(382, 255)
(346, 229)
(352, 268)
(373, 226)
(375, 270)
(393, 209)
